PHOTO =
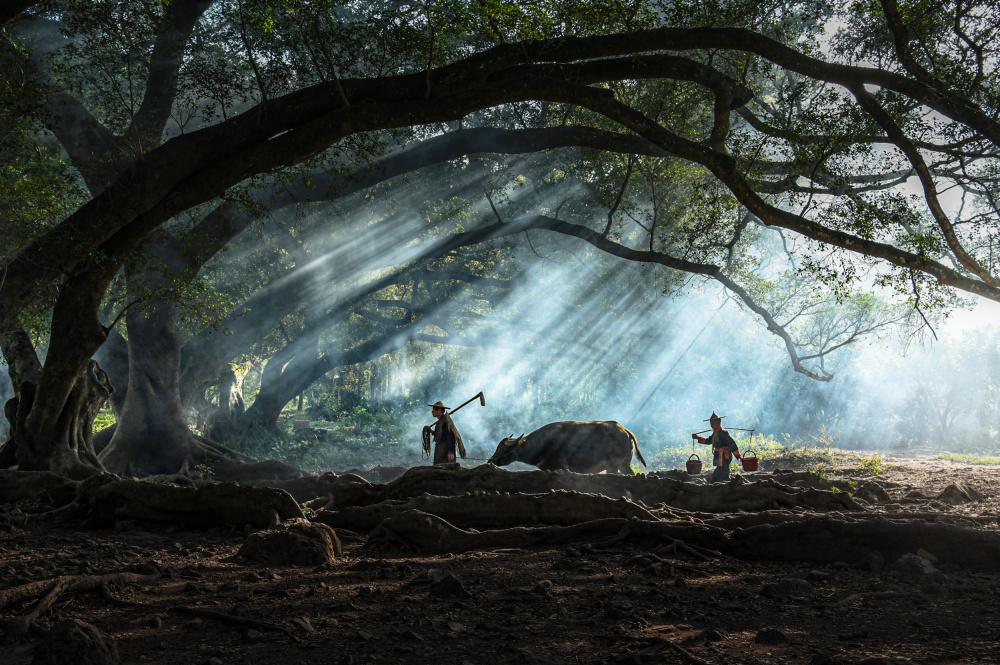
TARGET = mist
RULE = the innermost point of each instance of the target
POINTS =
(575, 334)
(587, 337)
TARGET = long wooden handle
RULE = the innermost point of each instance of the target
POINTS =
(474, 397)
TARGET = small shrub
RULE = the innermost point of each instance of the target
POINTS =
(871, 465)
(206, 470)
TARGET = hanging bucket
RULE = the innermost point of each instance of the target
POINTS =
(694, 465)
(750, 463)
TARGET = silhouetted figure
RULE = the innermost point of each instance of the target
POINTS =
(447, 440)
(724, 448)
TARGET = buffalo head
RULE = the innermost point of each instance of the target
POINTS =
(505, 452)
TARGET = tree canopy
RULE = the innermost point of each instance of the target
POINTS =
(326, 182)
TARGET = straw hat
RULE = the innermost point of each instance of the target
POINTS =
(438, 405)
(713, 417)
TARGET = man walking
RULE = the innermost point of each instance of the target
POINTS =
(723, 448)
(446, 437)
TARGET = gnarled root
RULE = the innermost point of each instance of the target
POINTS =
(331, 490)
(17, 629)
(492, 511)
(420, 532)
(453, 480)
(826, 540)
(108, 498)
(41, 486)
(818, 540)
(209, 505)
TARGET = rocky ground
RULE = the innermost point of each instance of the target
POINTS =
(617, 603)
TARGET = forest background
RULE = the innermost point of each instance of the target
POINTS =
(308, 305)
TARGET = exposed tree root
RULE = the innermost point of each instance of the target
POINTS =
(443, 480)
(826, 540)
(331, 490)
(420, 532)
(230, 618)
(210, 505)
(242, 471)
(819, 539)
(491, 511)
(942, 517)
(41, 486)
(108, 499)
(17, 629)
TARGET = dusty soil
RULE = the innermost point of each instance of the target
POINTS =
(568, 605)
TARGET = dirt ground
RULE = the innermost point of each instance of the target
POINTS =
(567, 605)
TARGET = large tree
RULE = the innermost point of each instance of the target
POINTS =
(175, 129)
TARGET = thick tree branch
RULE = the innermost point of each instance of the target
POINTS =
(193, 168)
(899, 139)
(230, 218)
(728, 171)
(9, 9)
(179, 19)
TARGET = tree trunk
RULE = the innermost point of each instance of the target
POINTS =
(113, 358)
(152, 435)
(22, 365)
(262, 416)
(287, 374)
(67, 446)
(54, 422)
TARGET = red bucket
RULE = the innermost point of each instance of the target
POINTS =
(694, 465)
(750, 463)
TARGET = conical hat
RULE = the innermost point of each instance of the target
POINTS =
(438, 405)
(713, 417)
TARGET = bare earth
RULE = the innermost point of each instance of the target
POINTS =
(567, 605)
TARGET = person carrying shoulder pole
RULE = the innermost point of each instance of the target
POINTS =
(447, 440)
(724, 448)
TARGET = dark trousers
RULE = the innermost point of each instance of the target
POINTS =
(721, 473)
(441, 450)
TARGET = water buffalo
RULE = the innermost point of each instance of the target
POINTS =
(589, 447)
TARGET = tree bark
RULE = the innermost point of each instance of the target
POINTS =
(113, 358)
(152, 435)
(66, 446)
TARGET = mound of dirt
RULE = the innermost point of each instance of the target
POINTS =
(296, 542)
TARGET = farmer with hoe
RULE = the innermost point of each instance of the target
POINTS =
(723, 448)
(446, 436)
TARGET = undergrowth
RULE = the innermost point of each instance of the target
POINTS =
(970, 458)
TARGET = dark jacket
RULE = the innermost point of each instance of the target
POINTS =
(723, 447)
(447, 440)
